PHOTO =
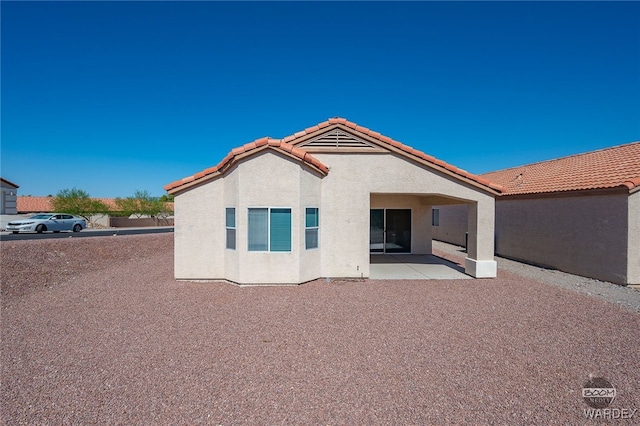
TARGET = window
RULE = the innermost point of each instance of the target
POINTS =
(435, 217)
(230, 224)
(311, 228)
(269, 229)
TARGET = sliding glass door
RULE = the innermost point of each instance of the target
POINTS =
(390, 231)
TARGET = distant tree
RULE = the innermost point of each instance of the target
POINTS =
(76, 201)
(167, 198)
(143, 204)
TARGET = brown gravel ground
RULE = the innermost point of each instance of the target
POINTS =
(96, 331)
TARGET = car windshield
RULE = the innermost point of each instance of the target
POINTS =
(41, 216)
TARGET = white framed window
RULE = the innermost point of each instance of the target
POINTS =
(269, 229)
(311, 226)
(435, 217)
(230, 225)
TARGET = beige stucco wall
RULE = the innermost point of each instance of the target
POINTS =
(633, 235)
(453, 224)
(199, 232)
(272, 180)
(586, 235)
(268, 179)
(355, 184)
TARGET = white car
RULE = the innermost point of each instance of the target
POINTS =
(43, 222)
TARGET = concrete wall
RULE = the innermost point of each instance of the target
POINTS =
(141, 222)
(633, 237)
(590, 235)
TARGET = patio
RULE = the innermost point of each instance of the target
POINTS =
(414, 267)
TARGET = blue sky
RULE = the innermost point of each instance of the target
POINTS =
(111, 97)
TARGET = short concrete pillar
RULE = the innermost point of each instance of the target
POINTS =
(481, 219)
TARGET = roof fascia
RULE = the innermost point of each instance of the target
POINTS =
(617, 190)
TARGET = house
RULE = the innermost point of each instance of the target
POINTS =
(317, 204)
(8, 195)
(579, 214)
(29, 204)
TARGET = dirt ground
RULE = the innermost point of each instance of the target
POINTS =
(97, 331)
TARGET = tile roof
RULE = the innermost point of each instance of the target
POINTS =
(618, 166)
(34, 204)
(28, 204)
(288, 145)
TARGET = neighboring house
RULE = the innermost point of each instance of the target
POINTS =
(8, 195)
(579, 214)
(29, 204)
(317, 204)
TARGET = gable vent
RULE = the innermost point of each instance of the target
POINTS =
(338, 139)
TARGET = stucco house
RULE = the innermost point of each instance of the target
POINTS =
(8, 196)
(579, 214)
(318, 204)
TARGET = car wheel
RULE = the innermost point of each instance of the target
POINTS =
(40, 229)
(77, 228)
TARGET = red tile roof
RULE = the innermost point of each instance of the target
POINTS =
(27, 204)
(618, 166)
(288, 143)
(34, 204)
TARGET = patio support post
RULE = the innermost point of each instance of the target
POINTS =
(481, 218)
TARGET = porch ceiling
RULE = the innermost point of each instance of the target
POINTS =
(425, 199)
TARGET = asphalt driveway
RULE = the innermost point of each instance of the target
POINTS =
(96, 331)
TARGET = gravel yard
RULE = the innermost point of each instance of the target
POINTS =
(97, 331)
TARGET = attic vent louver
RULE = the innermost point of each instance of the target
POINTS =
(338, 139)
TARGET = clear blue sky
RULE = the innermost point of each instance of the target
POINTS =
(111, 97)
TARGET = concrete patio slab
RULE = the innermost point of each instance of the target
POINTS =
(414, 267)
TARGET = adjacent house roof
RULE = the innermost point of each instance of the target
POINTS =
(295, 146)
(28, 204)
(618, 166)
(3, 180)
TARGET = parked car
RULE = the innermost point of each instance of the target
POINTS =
(43, 222)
